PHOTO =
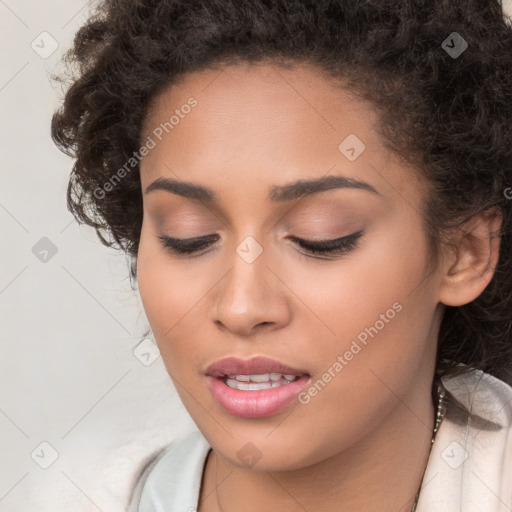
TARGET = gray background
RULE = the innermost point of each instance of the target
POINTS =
(68, 324)
(69, 321)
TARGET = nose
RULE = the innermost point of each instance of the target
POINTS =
(251, 298)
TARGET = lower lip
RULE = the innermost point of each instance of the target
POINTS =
(256, 404)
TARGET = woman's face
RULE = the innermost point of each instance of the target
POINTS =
(359, 325)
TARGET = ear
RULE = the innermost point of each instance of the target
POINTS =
(468, 265)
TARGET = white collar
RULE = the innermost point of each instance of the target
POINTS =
(470, 465)
(469, 468)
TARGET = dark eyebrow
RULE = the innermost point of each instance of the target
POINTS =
(303, 188)
(286, 192)
(182, 188)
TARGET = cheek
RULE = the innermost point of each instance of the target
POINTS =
(174, 297)
(162, 289)
(369, 310)
(348, 295)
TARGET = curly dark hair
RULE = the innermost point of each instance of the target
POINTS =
(450, 115)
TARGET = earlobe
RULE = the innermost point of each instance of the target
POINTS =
(469, 267)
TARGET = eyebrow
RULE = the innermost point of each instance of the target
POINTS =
(277, 193)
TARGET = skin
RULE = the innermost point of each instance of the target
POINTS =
(363, 442)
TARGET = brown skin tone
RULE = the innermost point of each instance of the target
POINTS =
(363, 442)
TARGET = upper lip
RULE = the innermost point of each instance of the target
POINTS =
(255, 365)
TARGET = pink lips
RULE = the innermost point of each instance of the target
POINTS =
(253, 404)
(259, 364)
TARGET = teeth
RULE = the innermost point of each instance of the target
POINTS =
(257, 382)
(248, 386)
(262, 377)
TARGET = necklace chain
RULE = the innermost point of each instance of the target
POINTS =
(440, 392)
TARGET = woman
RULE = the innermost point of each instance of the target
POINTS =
(316, 200)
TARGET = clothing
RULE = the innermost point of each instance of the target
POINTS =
(469, 468)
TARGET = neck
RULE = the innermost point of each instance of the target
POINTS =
(381, 472)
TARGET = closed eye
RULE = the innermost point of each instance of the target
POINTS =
(336, 246)
(187, 246)
(197, 245)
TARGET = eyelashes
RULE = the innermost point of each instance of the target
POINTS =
(196, 246)
(187, 246)
(336, 246)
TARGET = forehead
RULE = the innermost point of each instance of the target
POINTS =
(267, 121)
(255, 91)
